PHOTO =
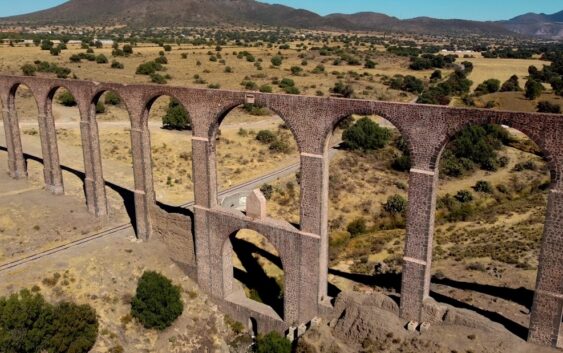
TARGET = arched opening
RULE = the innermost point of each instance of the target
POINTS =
(255, 149)
(490, 214)
(114, 132)
(368, 184)
(254, 272)
(27, 113)
(64, 108)
(170, 128)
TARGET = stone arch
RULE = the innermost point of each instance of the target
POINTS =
(523, 128)
(12, 94)
(396, 122)
(149, 102)
(98, 93)
(229, 277)
(218, 119)
(532, 131)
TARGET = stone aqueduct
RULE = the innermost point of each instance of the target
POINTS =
(304, 249)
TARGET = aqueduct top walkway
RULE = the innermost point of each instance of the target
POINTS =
(304, 249)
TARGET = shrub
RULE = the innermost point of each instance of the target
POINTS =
(67, 99)
(402, 163)
(100, 107)
(395, 204)
(256, 110)
(296, 70)
(177, 117)
(277, 60)
(148, 68)
(101, 59)
(161, 60)
(266, 89)
(75, 328)
(370, 64)
(117, 65)
(127, 49)
(267, 190)
(29, 324)
(273, 342)
(488, 86)
(533, 89)
(55, 51)
(158, 78)
(484, 187)
(464, 196)
(548, 107)
(265, 136)
(157, 302)
(167, 47)
(280, 146)
(342, 89)
(366, 135)
(511, 85)
(75, 58)
(29, 69)
(357, 227)
(436, 75)
(112, 98)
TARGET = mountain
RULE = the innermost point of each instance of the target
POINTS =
(151, 13)
(543, 25)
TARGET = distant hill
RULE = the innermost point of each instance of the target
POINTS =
(150, 13)
(533, 24)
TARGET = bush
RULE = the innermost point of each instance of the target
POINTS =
(28, 324)
(267, 190)
(280, 146)
(342, 89)
(357, 227)
(533, 89)
(157, 302)
(29, 70)
(112, 98)
(488, 86)
(75, 328)
(67, 99)
(273, 342)
(265, 136)
(75, 58)
(547, 107)
(395, 204)
(296, 70)
(484, 187)
(161, 60)
(402, 163)
(370, 64)
(117, 65)
(277, 60)
(464, 196)
(167, 47)
(158, 78)
(511, 85)
(177, 117)
(266, 89)
(366, 135)
(100, 107)
(127, 49)
(101, 59)
(148, 68)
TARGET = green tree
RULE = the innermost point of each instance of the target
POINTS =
(25, 323)
(365, 135)
(277, 60)
(75, 328)
(177, 117)
(533, 89)
(265, 136)
(511, 85)
(29, 69)
(157, 302)
(273, 342)
(101, 59)
(548, 107)
(112, 98)
(395, 204)
(67, 99)
(127, 49)
(488, 86)
(357, 226)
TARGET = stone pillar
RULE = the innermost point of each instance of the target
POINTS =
(142, 171)
(51, 163)
(94, 183)
(314, 209)
(16, 162)
(205, 193)
(415, 285)
(547, 309)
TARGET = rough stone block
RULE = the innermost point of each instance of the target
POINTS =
(412, 325)
(316, 322)
(425, 326)
(291, 333)
(256, 205)
(301, 329)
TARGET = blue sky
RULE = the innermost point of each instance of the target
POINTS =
(467, 9)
